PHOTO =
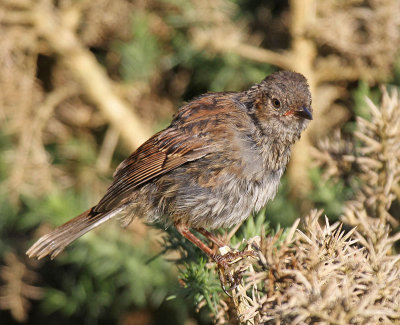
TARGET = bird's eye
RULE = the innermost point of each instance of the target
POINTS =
(276, 103)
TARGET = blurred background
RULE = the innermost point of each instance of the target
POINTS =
(83, 83)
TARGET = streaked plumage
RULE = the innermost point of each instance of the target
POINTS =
(220, 159)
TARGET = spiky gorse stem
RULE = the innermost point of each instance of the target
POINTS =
(378, 158)
(321, 274)
(370, 162)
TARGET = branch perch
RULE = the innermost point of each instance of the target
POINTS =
(90, 74)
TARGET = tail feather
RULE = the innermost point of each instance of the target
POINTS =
(54, 242)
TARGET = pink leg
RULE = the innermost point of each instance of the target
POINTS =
(210, 236)
(185, 232)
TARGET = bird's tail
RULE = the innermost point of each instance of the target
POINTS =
(54, 242)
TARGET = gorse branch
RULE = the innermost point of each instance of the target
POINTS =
(378, 159)
(17, 287)
(321, 274)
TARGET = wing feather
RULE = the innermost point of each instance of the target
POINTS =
(163, 152)
(189, 137)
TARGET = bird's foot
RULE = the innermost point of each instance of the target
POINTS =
(231, 267)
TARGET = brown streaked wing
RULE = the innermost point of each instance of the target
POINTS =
(163, 152)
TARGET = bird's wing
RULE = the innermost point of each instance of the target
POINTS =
(191, 136)
(163, 152)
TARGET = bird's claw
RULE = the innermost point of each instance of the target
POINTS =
(225, 263)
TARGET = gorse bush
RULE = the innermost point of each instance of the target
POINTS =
(67, 66)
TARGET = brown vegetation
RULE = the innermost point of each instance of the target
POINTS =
(54, 91)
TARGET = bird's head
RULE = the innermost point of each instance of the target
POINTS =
(281, 104)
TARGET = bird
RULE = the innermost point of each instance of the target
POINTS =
(218, 162)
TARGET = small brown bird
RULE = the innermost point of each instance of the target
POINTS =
(220, 159)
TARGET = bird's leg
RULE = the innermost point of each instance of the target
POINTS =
(210, 236)
(185, 232)
(222, 264)
(223, 261)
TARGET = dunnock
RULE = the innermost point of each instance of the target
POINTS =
(220, 159)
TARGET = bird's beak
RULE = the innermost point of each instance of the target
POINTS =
(304, 112)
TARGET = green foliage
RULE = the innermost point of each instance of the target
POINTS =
(226, 72)
(8, 220)
(209, 72)
(396, 72)
(359, 94)
(5, 145)
(281, 210)
(106, 268)
(56, 208)
(329, 195)
(253, 226)
(218, 73)
(201, 283)
(140, 56)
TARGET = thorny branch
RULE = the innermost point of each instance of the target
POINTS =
(57, 32)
